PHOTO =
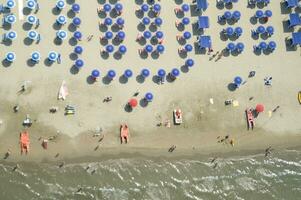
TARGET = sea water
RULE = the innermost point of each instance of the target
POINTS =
(247, 177)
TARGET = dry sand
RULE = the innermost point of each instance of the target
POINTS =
(203, 122)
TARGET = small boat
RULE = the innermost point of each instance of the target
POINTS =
(299, 97)
(250, 118)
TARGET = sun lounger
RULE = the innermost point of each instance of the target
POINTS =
(250, 119)
(24, 142)
(124, 133)
(177, 113)
(63, 92)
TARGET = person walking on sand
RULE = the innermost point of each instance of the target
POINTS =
(89, 38)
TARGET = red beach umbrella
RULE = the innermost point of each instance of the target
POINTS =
(259, 108)
(133, 102)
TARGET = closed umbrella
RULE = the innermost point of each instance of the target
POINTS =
(260, 29)
(95, 73)
(109, 35)
(160, 48)
(161, 73)
(263, 45)
(148, 48)
(236, 15)
(231, 46)
(109, 48)
(107, 7)
(35, 56)
(146, 21)
(128, 73)
(188, 47)
(79, 63)
(237, 80)
(77, 35)
(259, 13)
(78, 49)
(147, 34)
(259, 108)
(149, 96)
(60, 4)
(187, 35)
(108, 21)
(175, 72)
(158, 21)
(144, 7)
(157, 7)
(185, 21)
(122, 49)
(120, 21)
(61, 34)
(272, 45)
(32, 35)
(133, 102)
(75, 7)
(159, 34)
(52, 56)
(268, 13)
(10, 57)
(227, 15)
(121, 35)
(76, 21)
(31, 4)
(61, 20)
(229, 31)
(185, 7)
(111, 74)
(11, 35)
(189, 62)
(145, 73)
(10, 4)
(11, 19)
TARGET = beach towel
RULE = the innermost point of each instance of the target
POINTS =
(63, 92)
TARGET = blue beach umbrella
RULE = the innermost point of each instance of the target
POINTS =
(95, 73)
(31, 4)
(159, 34)
(78, 49)
(32, 35)
(60, 4)
(35, 56)
(263, 45)
(61, 19)
(161, 73)
(145, 73)
(120, 21)
(185, 7)
(121, 35)
(259, 14)
(260, 29)
(188, 47)
(109, 48)
(187, 35)
(52, 56)
(61, 34)
(270, 30)
(75, 7)
(240, 46)
(145, 20)
(237, 80)
(144, 7)
(189, 62)
(268, 13)
(160, 48)
(227, 14)
(77, 35)
(107, 7)
(10, 4)
(236, 15)
(31, 19)
(148, 48)
(109, 35)
(175, 72)
(10, 56)
(108, 21)
(231, 46)
(272, 45)
(122, 49)
(128, 73)
(158, 21)
(76, 21)
(11, 19)
(79, 63)
(118, 7)
(11, 35)
(157, 7)
(185, 21)
(111, 74)
(149, 96)
(147, 34)
(238, 31)
(229, 31)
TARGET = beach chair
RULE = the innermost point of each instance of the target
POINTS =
(220, 18)
(256, 48)
(177, 114)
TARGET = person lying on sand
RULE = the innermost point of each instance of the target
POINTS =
(268, 151)
(172, 148)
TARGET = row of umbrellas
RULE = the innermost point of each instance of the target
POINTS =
(148, 35)
(35, 56)
(233, 31)
(156, 7)
(148, 97)
(263, 45)
(149, 48)
(108, 7)
(30, 4)
(261, 14)
(61, 4)
(12, 35)
(62, 19)
(232, 46)
(119, 35)
(110, 49)
(235, 15)
(261, 30)
(109, 21)
(157, 21)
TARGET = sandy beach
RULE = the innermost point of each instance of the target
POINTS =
(203, 121)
